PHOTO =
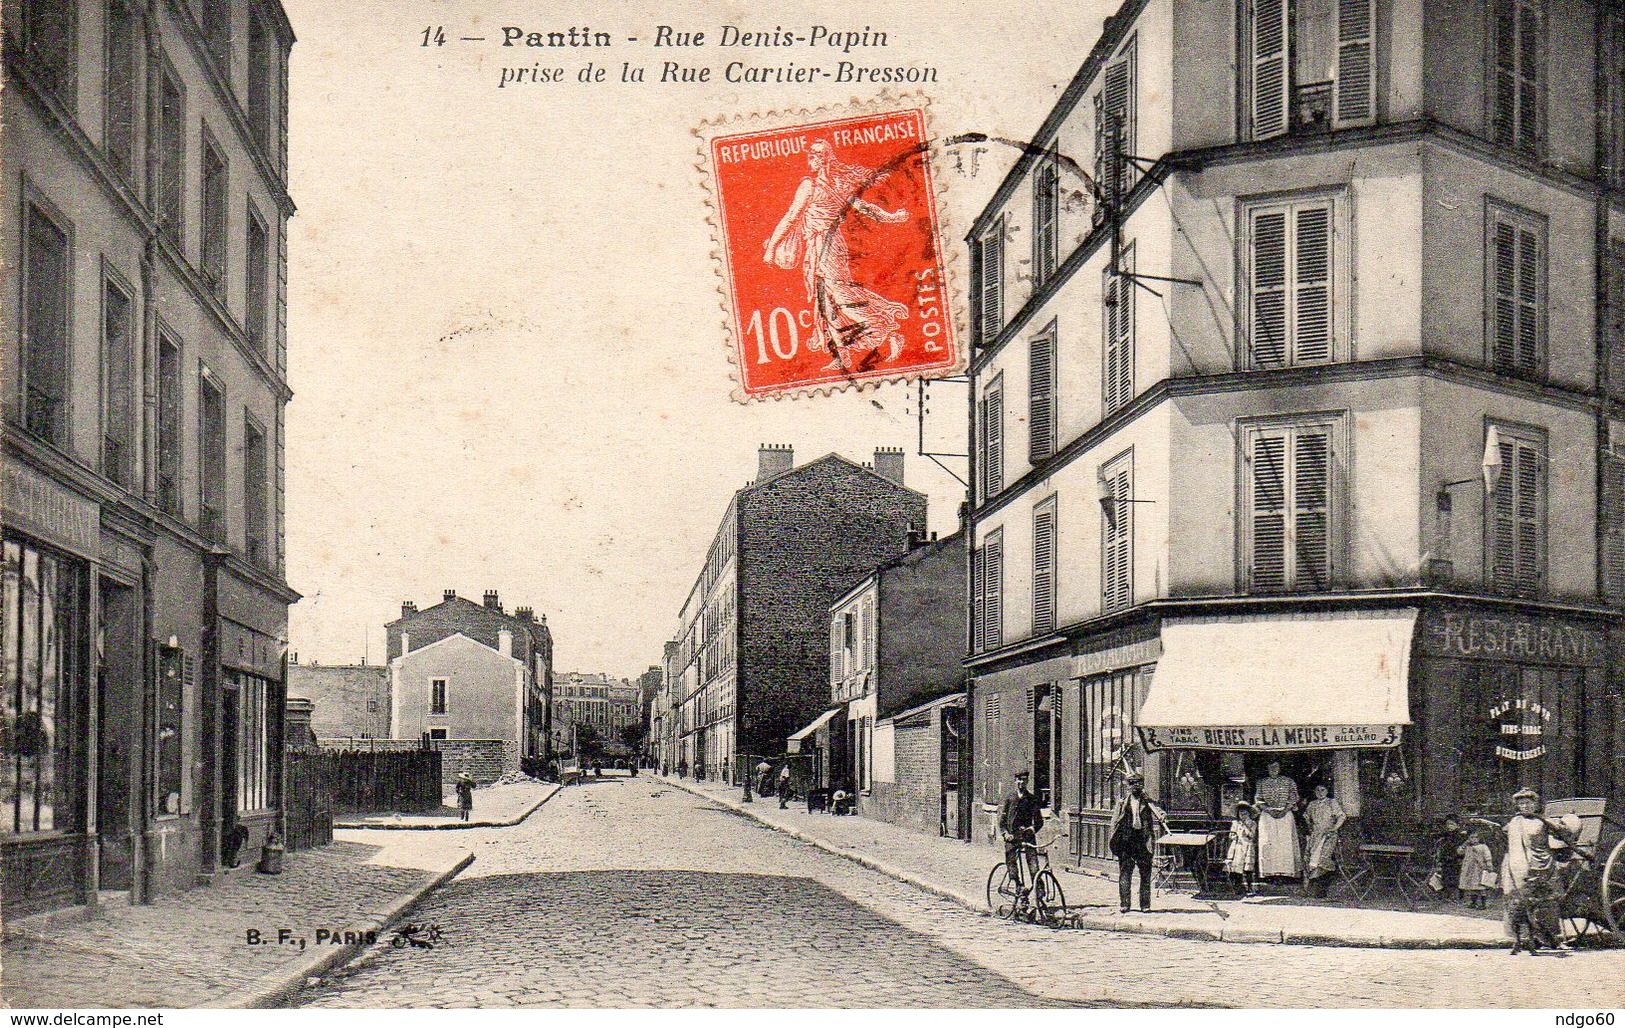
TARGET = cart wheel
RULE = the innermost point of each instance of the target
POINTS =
(1613, 888)
(1580, 924)
(1048, 900)
(1001, 895)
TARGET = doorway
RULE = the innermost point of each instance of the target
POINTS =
(118, 698)
(229, 698)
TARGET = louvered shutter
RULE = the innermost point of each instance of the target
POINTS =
(978, 595)
(1530, 481)
(1117, 556)
(1529, 76)
(993, 599)
(993, 477)
(1312, 286)
(1118, 91)
(1517, 273)
(991, 286)
(1100, 198)
(1505, 113)
(1041, 397)
(1616, 319)
(1504, 314)
(1271, 84)
(1611, 521)
(1311, 510)
(1529, 300)
(1118, 291)
(1355, 90)
(1517, 531)
(1268, 566)
(1269, 288)
(1044, 568)
(1046, 201)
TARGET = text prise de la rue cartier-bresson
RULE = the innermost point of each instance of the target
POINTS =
(820, 39)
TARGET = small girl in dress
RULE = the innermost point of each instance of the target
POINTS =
(1475, 861)
(1242, 859)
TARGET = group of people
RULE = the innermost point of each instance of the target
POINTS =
(1266, 842)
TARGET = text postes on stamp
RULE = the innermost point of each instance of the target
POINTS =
(832, 253)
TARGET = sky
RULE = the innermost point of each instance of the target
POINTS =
(506, 337)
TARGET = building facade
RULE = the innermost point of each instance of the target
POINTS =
(522, 636)
(1296, 404)
(458, 689)
(753, 660)
(348, 701)
(895, 647)
(145, 182)
(606, 704)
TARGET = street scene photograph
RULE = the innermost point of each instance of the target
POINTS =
(916, 506)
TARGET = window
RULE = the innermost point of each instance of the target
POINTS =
(211, 405)
(118, 385)
(1108, 706)
(120, 88)
(1614, 328)
(990, 283)
(1290, 264)
(1611, 519)
(1044, 567)
(214, 218)
(216, 17)
(169, 425)
(45, 327)
(1117, 292)
(43, 689)
(1516, 529)
(171, 145)
(262, 112)
(1310, 65)
(990, 418)
(253, 742)
(437, 696)
(1289, 524)
(1117, 534)
(437, 733)
(176, 677)
(987, 585)
(1517, 96)
(1046, 216)
(256, 515)
(1115, 132)
(1041, 375)
(48, 29)
(255, 306)
(1515, 285)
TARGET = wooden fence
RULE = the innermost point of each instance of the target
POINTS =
(324, 782)
(308, 801)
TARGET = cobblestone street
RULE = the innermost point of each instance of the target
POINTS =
(631, 893)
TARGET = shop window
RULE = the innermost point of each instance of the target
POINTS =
(1115, 131)
(1290, 532)
(1519, 728)
(48, 28)
(46, 347)
(171, 145)
(176, 676)
(1518, 89)
(989, 278)
(1516, 529)
(1515, 289)
(1117, 290)
(1041, 381)
(254, 764)
(1109, 704)
(119, 85)
(990, 438)
(43, 692)
(211, 457)
(1044, 561)
(1309, 65)
(1292, 305)
(169, 425)
(1046, 215)
(1117, 534)
(118, 384)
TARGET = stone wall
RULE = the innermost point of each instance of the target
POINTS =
(914, 799)
(485, 760)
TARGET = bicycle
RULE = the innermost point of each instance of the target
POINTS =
(1039, 902)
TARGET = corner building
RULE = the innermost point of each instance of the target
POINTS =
(1297, 431)
(145, 350)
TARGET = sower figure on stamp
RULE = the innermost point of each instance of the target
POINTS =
(1136, 824)
(1020, 818)
(846, 316)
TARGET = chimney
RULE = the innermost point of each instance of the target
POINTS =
(525, 614)
(406, 643)
(505, 643)
(491, 602)
(916, 538)
(448, 596)
(889, 463)
(408, 608)
(774, 459)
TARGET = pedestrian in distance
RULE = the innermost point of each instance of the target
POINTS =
(1020, 817)
(1136, 824)
(764, 772)
(465, 795)
(785, 787)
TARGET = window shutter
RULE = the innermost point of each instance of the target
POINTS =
(1100, 198)
(1117, 88)
(1530, 482)
(1041, 397)
(1529, 300)
(978, 597)
(992, 283)
(1517, 531)
(1270, 81)
(1268, 569)
(1046, 201)
(1355, 87)
(993, 601)
(993, 479)
(1517, 313)
(1504, 275)
(1118, 290)
(1311, 515)
(1616, 318)
(1611, 518)
(1269, 288)
(1044, 568)
(1312, 313)
(1117, 556)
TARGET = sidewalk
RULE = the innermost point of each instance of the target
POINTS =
(958, 871)
(194, 950)
(495, 807)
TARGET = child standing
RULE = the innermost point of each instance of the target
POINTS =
(1449, 846)
(1476, 863)
(1242, 859)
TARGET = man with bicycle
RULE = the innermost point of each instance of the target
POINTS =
(1020, 818)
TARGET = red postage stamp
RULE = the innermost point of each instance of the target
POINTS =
(832, 253)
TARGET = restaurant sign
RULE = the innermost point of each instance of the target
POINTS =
(1512, 637)
(1520, 725)
(1270, 737)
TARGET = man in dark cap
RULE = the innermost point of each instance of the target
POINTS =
(1020, 818)
(1526, 875)
(1136, 824)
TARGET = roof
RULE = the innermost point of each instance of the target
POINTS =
(452, 638)
(802, 468)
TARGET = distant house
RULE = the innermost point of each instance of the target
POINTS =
(459, 689)
(349, 701)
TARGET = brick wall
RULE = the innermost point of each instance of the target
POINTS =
(922, 626)
(485, 760)
(914, 799)
(349, 700)
(805, 538)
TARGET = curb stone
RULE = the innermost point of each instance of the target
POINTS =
(1240, 936)
(279, 984)
(357, 826)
